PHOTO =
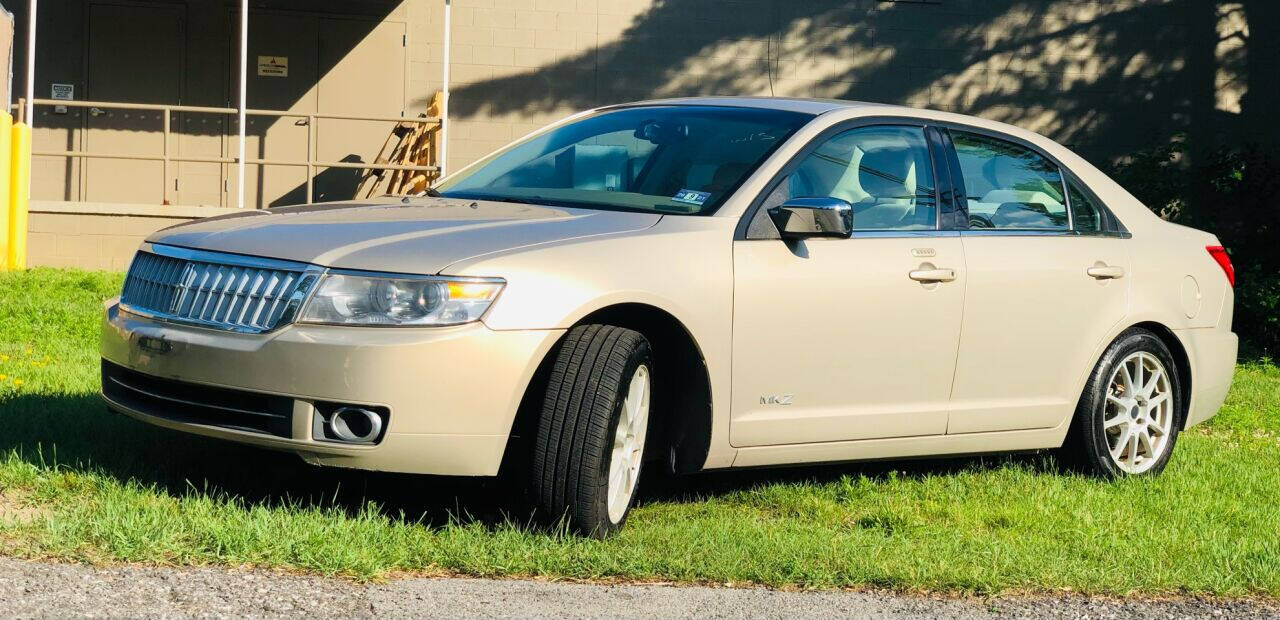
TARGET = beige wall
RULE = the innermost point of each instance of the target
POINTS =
(1106, 78)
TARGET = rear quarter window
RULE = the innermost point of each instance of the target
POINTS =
(1010, 186)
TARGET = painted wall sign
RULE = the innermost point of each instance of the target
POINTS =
(273, 66)
(64, 92)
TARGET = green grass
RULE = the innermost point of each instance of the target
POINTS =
(91, 486)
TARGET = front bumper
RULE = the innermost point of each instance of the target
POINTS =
(452, 392)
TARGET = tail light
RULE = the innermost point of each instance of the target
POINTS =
(1219, 254)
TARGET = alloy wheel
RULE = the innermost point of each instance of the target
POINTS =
(1138, 415)
(628, 444)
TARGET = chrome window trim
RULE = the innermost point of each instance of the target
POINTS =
(971, 232)
(298, 299)
(1031, 232)
(900, 234)
(879, 234)
(1066, 197)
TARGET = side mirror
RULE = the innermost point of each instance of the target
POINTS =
(798, 218)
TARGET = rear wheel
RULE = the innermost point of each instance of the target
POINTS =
(589, 446)
(1129, 414)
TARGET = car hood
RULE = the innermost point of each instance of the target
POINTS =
(419, 235)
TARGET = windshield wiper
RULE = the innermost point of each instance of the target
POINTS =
(542, 201)
(532, 200)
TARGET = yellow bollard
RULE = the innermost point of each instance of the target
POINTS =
(6, 133)
(19, 194)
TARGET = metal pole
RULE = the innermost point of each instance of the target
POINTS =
(244, 96)
(31, 63)
(164, 182)
(311, 158)
(444, 92)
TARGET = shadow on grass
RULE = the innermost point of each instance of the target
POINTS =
(695, 487)
(78, 433)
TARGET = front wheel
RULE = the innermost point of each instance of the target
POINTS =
(1129, 414)
(590, 442)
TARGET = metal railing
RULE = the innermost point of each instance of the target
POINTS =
(168, 157)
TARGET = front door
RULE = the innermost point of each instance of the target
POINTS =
(1045, 288)
(135, 56)
(846, 339)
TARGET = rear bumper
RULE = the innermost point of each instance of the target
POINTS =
(1212, 353)
(452, 393)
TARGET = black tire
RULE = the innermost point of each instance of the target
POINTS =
(1088, 445)
(568, 478)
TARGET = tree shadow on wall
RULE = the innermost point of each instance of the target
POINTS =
(1103, 80)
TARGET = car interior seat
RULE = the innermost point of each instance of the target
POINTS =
(881, 186)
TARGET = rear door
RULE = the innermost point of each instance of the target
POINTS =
(1047, 281)
(833, 339)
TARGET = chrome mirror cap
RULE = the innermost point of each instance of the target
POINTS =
(798, 218)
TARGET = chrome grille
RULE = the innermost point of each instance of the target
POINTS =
(215, 290)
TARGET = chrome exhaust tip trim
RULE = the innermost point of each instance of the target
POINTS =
(355, 425)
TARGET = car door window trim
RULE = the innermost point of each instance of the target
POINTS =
(956, 185)
(1120, 232)
(889, 234)
(1108, 224)
(744, 222)
(951, 207)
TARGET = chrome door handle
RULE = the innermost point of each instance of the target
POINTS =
(1104, 272)
(933, 275)
(96, 111)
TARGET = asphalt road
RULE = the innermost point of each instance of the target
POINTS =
(32, 589)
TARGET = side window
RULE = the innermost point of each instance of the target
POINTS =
(883, 171)
(1009, 186)
(1083, 211)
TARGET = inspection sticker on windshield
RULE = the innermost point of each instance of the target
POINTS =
(690, 196)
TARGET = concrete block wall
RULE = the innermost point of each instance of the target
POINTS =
(496, 39)
(1107, 78)
(97, 236)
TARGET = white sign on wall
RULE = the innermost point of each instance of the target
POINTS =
(64, 92)
(273, 66)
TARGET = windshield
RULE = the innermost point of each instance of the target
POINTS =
(668, 159)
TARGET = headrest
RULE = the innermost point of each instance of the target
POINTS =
(1022, 215)
(726, 176)
(1014, 195)
(884, 172)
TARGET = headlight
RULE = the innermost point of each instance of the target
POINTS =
(359, 299)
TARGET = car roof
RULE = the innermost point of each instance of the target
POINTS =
(848, 109)
(790, 104)
(818, 107)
